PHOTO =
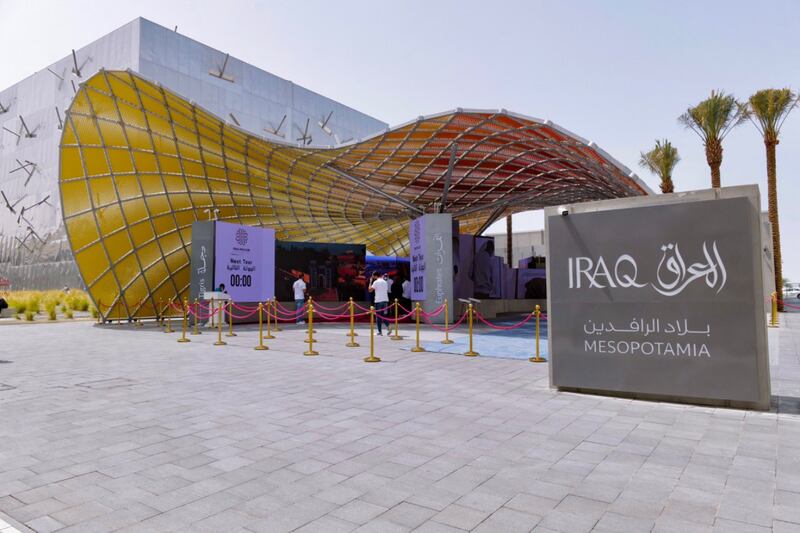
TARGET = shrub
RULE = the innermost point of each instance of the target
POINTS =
(51, 314)
(29, 314)
(63, 308)
(94, 312)
(17, 316)
(20, 305)
(69, 314)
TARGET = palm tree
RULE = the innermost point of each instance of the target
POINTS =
(712, 119)
(767, 110)
(661, 161)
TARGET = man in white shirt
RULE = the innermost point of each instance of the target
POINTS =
(379, 286)
(406, 294)
(299, 288)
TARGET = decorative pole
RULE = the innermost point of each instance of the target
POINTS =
(310, 339)
(220, 342)
(169, 329)
(371, 358)
(230, 320)
(470, 352)
(536, 312)
(352, 343)
(261, 345)
(396, 336)
(196, 330)
(417, 348)
(269, 320)
(446, 329)
(185, 321)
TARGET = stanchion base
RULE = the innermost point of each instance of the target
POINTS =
(184, 339)
(448, 341)
(311, 352)
(231, 335)
(307, 341)
(539, 360)
(372, 359)
(269, 336)
(169, 331)
(772, 325)
(348, 334)
(220, 343)
(397, 337)
(196, 333)
(417, 349)
(471, 354)
(352, 345)
(139, 324)
(261, 347)
(278, 329)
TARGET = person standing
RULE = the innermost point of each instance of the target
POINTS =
(406, 299)
(299, 288)
(380, 288)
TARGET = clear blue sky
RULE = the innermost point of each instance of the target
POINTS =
(617, 72)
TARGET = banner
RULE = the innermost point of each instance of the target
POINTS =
(244, 261)
(659, 299)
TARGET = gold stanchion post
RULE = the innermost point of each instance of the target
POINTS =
(278, 328)
(169, 329)
(417, 348)
(773, 320)
(396, 336)
(196, 330)
(537, 311)
(310, 339)
(261, 345)
(269, 334)
(220, 342)
(352, 343)
(372, 358)
(470, 352)
(185, 323)
(446, 327)
(230, 320)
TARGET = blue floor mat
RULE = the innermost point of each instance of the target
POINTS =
(512, 344)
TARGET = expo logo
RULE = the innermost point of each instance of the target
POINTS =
(672, 274)
(241, 236)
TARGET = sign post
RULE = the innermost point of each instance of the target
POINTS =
(672, 309)
(431, 238)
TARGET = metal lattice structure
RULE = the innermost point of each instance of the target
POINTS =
(139, 164)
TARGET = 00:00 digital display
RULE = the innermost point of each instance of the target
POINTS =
(241, 280)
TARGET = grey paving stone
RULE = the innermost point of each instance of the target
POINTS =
(199, 436)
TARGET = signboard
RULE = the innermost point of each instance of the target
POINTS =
(431, 239)
(672, 309)
(416, 236)
(244, 261)
(202, 275)
(333, 272)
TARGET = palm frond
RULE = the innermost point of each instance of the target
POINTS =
(714, 117)
(768, 109)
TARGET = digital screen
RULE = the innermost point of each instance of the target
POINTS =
(244, 261)
(332, 271)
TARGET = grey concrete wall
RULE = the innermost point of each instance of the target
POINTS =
(34, 252)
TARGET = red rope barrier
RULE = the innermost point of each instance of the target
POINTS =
(451, 327)
(504, 328)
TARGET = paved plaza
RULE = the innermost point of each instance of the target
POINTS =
(122, 428)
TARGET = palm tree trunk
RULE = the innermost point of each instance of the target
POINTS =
(714, 158)
(509, 242)
(772, 200)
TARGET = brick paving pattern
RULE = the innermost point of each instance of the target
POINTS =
(123, 429)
